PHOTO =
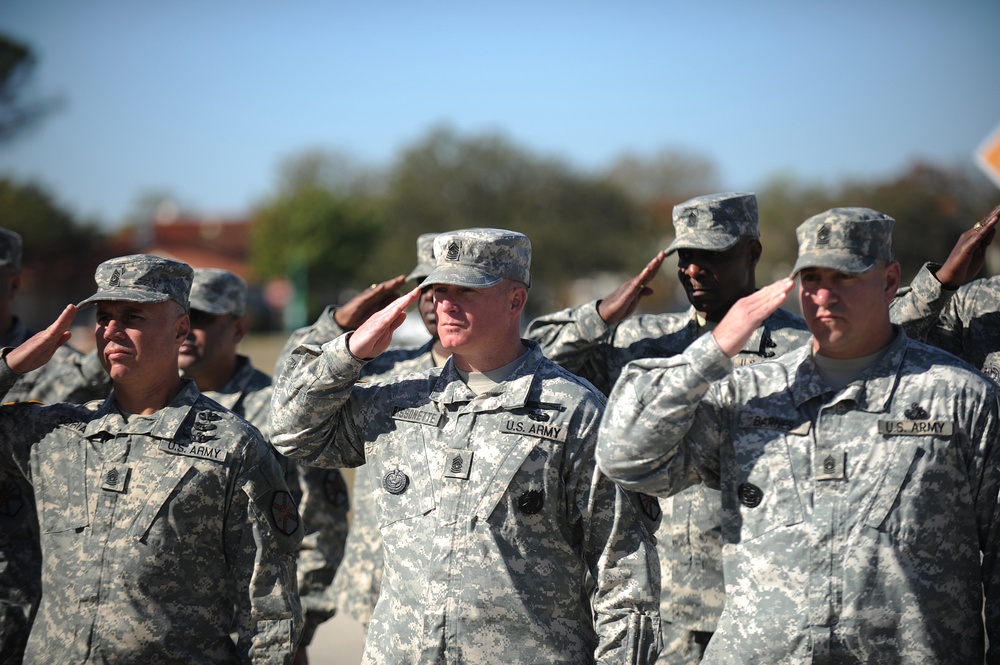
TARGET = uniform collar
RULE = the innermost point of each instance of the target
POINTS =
(164, 424)
(513, 393)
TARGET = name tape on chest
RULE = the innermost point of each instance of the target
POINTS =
(529, 427)
(916, 427)
(420, 416)
(759, 421)
(198, 450)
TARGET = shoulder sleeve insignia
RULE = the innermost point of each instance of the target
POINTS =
(284, 512)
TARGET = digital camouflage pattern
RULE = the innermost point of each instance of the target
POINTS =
(425, 256)
(849, 240)
(480, 258)
(964, 321)
(218, 292)
(160, 534)
(20, 550)
(142, 278)
(497, 527)
(320, 494)
(689, 539)
(854, 521)
(714, 222)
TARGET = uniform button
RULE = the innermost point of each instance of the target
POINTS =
(395, 482)
(750, 495)
(531, 502)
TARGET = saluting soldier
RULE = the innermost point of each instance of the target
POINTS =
(210, 356)
(165, 520)
(717, 241)
(859, 474)
(502, 541)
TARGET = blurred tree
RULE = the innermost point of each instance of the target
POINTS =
(47, 229)
(17, 62)
(578, 225)
(313, 232)
(334, 170)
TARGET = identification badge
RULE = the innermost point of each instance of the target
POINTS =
(530, 427)
(199, 450)
(916, 427)
(457, 464)
(432, 418)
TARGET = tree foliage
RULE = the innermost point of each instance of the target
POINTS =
(316, 230)
(17, 114)
(47, 229)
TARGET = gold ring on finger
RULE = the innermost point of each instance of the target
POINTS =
(978, 226)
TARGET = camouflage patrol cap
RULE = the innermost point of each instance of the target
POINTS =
(480, 258)
(142, 278)
(714, 222)
(849, 240)
(10, 249)
(425, 256)
(218, 291)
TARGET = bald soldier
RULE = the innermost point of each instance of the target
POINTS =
(165, 520)
(859, 474)
(502, 542)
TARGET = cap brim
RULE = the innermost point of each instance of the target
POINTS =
(210, 308)
(461, 276)
(124, 295)
(421, 271)
(841, 261)
(706, 242)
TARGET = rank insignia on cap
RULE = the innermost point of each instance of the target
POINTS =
(916, 412)
(395, 482)
(823, 235)
(115, 278)
(531, 502)
(11, 498)
(284, 512)
(454, 251)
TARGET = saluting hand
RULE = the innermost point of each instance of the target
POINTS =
(623, 301)
(969, 253)
(374, 335)
(40, 347)
(357, 310)
(749, 313)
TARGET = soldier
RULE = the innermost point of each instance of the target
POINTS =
(859, 474)
(164, 519)
(210, 357)
(717, 241)
(359, 578)
(502, 542)
(944, 308)
(20, 552)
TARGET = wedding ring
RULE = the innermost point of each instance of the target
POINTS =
(978, 226)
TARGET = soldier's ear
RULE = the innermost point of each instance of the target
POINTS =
(183, 327)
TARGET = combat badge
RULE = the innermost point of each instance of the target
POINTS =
(395, 482)
(750, 495)
(284, 512)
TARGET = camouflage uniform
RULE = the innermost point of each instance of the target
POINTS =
(320, 494)
(358, 580)
(964, 321)
(20, 551)
(159, 533)
(502, 542)
(689, 539)
(854, 520)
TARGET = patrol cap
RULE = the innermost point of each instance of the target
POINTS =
(849, 240)
(425, 256)
(142, 278)
(218, 291)
(714, 222)
(480, 258)
(10, 249)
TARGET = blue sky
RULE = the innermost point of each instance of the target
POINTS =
(204, 99)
